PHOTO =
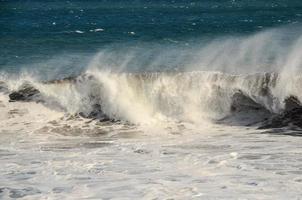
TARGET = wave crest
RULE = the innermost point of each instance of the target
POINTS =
(144, 98)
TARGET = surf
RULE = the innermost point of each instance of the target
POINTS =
(209, 82)
(146, 98)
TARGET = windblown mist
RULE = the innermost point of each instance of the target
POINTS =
(150, 100)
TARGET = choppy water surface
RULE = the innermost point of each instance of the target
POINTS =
(76, 158)
(149, 100)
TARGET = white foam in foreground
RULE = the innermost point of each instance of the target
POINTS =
(46, 155)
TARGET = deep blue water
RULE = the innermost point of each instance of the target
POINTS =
(64, 35)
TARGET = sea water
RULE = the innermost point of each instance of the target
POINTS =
(165, 74)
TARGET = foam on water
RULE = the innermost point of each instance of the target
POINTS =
(147, 98)
(167, 139)
(87, 159)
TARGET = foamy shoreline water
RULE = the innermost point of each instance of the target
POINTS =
(150, 99)
(56, 157)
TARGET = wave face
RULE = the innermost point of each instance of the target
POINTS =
(200, 83)
(146, 98)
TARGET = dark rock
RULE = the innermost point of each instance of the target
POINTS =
(291, 117)
(96, 113)
(25, 93)
(292, 102)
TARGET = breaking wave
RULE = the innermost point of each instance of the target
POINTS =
(250, 77)
(144, 98)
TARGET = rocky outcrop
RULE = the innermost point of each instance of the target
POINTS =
(291, 116)
(243, 107)
(288, 118)
(96, 113)
(25, 93)
(291, 103)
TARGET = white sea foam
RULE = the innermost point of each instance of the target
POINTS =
(147, 98)
(86, 159)
(167, 144)
(78, 31)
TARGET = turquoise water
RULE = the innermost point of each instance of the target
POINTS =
(61, 37)
(186, 128)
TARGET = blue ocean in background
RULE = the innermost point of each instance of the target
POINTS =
(61, 37)
(166, 99)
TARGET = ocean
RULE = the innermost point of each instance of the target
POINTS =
(167, 99)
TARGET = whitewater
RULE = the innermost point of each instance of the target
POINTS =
(194, 130)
